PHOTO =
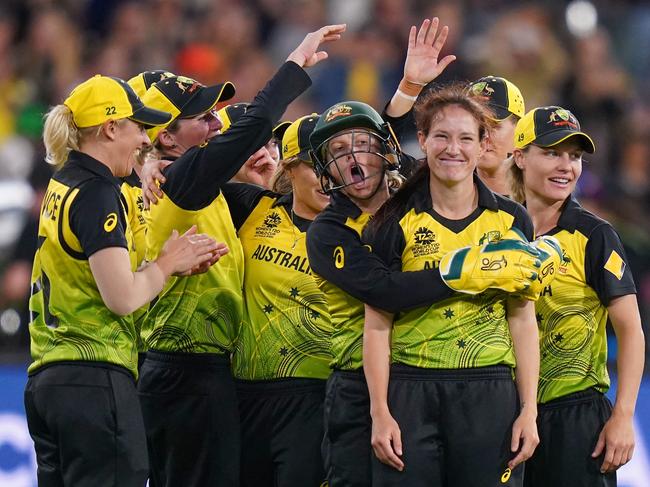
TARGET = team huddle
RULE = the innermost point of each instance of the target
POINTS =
(223, 298)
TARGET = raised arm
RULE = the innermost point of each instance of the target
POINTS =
(421, 65)
(195, 179)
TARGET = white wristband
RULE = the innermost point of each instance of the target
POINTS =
(404, 95)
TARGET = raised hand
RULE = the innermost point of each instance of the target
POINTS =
(306, 54)
(422, 65)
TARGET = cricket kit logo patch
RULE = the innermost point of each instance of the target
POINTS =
(338, 111)
(615, 265)
(424, 242)
(269, 229)
(482, 89)
(491, 236)
(563, 118)
(111, 222)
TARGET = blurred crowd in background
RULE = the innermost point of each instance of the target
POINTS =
(590, 57)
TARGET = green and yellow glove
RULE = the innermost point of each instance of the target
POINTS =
(550, 256)
(510, 264)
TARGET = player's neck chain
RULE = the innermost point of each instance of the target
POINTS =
(293, 230)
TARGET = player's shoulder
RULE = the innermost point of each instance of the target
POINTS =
(508, 205)
(584, 221)
(331, 215)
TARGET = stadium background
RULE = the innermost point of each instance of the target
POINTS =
(591, 57)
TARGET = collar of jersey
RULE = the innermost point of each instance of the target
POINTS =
(133, 179)
(342, 204)
(422, 196)
(570, 215)
(285, 200)
(93, 165)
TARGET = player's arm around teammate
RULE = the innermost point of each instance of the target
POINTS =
(416, 408)
(356, 177)
(583, 440)
(80, 399)
(186, 389)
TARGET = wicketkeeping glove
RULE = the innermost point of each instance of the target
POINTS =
(510, 264)
(550, 255)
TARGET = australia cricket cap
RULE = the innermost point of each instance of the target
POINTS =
(103, 98)
(548, 126)
(502, 96)
(185, 98)
(143, 81)
(296, 138)
(231, 113)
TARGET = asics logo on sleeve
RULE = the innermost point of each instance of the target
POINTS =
(339, 257)
(506, 475)
(111, 222)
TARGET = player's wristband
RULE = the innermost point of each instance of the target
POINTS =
(405, 96)
(410, 88)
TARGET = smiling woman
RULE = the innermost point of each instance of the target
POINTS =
(84, 287)
(583, 439)
(468, 343)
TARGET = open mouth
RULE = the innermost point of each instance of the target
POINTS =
(560, 181)
(356, 174)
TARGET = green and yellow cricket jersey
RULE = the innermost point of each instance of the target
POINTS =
(463, 331)
(349, 275)
(286, 331)
(202, 313)
(82, 213)
(572, 310)
(346, 312)
(131, 189)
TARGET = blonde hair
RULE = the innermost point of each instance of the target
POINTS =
(394, 179)
(516, 179)
(148, 152)
(280, 181)
(60, 135)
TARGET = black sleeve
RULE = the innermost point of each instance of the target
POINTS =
(195, 179)
(403, 126)
(97, 217)
(387, 242)
(606, 267)
(242, 199)
(337, 254)
(409, 165)
(523, 222)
